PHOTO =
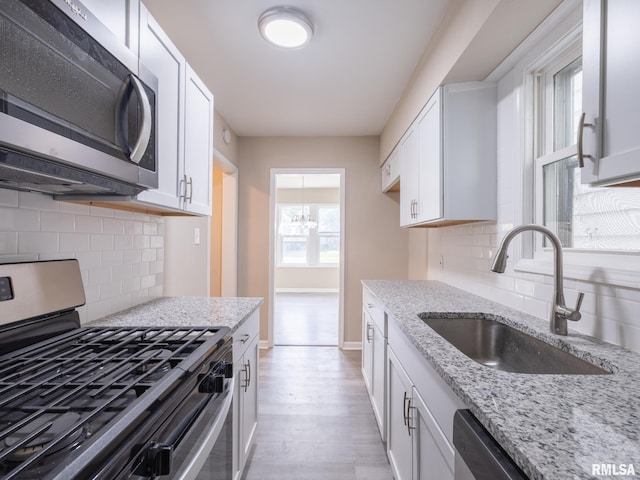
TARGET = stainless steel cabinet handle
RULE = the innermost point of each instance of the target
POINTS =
(581, 125)
(244, 338)
(405, 410)
(409, 426)
(190, 185)
(144, 134)
(368, 331)
(183, 188)
(247, 373)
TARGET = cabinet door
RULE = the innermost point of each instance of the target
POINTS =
(409, 170)
(249, 418)
(611, 75)
(433, 454)
(198, 145)
(378, 387)
(367, 346)
(245, 405)
(430, 206)
(390, 171)
(399, 434)
(160, 55)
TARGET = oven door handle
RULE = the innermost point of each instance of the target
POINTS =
(199, 455)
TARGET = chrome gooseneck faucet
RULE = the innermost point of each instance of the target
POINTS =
(559, 312)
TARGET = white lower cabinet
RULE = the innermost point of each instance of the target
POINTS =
(245, 400)
(374, 357)
(399, 434)
(420, 414)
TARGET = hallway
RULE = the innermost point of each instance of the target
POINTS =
(315, 418)
(306, 319)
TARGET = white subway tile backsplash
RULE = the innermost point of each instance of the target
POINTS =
(8, 243)
(16, 220)
(149, 228)
(36, 227)
(86, 223)
(113, 225)
(57, 222)
(8, 198)
(37, 242)
(123, 242)
(101, 241)
(74, 242)
(111, 258)
(36, 201)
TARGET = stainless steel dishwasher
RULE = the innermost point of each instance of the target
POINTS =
(478, 455)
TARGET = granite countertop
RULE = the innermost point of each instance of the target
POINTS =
(552, 426)
(185, 312)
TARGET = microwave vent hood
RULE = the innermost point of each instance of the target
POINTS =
(19, 171)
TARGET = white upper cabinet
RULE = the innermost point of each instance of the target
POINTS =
(390, 172)
(198, 146)
(184, 128)
(611, 75)
(161, 56)
(119, 16)
(448, 158)
(409, 167)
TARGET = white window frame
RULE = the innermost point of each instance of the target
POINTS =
(617, 268)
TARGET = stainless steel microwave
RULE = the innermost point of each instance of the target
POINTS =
(77, 109)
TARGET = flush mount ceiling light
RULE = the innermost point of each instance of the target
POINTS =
(285, 27)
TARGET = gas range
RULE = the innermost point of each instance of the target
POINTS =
(102, 402)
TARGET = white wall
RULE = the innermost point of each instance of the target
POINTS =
(608, 312)
(120, 253)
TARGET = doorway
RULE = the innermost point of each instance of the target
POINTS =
(307, 257)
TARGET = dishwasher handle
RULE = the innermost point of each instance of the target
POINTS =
(483, 458)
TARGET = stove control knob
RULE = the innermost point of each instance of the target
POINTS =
(212, 384)
(228, 369)
(159, 459)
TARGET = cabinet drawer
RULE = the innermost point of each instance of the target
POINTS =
(244, 334)
(371, 305)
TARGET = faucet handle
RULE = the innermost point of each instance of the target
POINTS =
(575, 314)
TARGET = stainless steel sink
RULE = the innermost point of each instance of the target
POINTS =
(502, 347)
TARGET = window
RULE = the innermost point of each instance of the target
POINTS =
(308, 236)
(583, 217)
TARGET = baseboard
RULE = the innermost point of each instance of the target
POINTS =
(307, 290)
(352, 346)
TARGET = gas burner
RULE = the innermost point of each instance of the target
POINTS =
(153, 357)
(59, 424)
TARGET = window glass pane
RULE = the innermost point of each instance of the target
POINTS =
(330, 249)
(567, 104)
(329, 219)
(589, 217)
(294, 250)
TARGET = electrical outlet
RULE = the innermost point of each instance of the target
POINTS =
(196, 236)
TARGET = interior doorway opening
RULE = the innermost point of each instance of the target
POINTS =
(307, 245)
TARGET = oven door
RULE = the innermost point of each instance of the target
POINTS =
(206, 453)
(72, 99)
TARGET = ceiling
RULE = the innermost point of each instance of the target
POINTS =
(347, 81)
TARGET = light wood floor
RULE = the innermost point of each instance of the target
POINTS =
(305, 319)
(315, 418)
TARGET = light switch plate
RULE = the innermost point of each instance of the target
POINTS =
(196, 236)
